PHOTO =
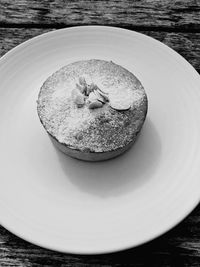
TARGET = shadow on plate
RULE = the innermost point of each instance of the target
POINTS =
(119, 175)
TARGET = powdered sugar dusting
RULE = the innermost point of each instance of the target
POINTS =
(99, 130)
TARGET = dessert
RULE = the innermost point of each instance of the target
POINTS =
(92, 109)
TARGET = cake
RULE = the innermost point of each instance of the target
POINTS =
(92, 109)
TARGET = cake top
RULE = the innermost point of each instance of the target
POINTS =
(92, 105)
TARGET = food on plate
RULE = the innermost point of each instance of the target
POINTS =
(92, 109)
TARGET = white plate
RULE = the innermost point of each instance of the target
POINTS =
(72, 206)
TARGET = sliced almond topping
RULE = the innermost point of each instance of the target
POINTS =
(90, 88)
(95, 104)
(99, 96)
(119, 104)
(77, 97)
(103, 95)
(81, 88)
(92, 97)
(101, 91)
(79, 100)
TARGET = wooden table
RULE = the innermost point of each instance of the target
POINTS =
(175, 23)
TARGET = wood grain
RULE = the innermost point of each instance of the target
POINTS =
(170, 15)
(176, 24)
(187, 44)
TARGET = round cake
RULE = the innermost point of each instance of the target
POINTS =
(92, 109)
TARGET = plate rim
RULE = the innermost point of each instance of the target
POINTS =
(117, 247)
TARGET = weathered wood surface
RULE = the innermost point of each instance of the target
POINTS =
(175, 23)
(168, 14)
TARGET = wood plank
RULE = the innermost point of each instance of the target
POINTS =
(179, 15)
(187, 44)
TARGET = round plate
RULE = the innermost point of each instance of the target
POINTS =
(72, 206)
